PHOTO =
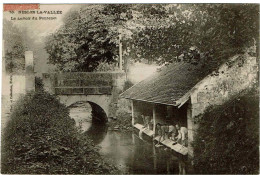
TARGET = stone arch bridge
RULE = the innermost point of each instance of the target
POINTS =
(99, 89)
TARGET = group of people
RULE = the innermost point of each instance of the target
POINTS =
(176, 132)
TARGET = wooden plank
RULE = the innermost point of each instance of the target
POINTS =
(138, 126)
(167, 142)
(146, 131)
(177, 147)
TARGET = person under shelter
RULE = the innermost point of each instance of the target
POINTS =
(182, 137)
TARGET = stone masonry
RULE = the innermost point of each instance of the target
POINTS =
(236, 75)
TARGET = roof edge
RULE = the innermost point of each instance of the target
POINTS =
(151, 101)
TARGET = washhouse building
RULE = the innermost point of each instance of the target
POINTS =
(179, 92)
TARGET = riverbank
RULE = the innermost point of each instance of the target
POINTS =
(42, 138)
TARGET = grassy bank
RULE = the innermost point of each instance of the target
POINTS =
(41, 138)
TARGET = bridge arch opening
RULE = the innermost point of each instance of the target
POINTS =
(92, 119)
(98, 114)
(86, 109)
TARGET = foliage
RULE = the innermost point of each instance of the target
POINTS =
(41, 138)
(39, 86)
(156, 32)
(105, 67)
(14, 47)
(227, 138)
(89, 36)
(216, 31)
(127, 85)
(123, 117)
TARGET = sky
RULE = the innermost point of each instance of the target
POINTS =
(41, 28)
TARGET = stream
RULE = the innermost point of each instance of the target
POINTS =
(127, 151)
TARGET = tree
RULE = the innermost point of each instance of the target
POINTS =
(89, 36)
(156, 32)
(215, 31)
(14, 48)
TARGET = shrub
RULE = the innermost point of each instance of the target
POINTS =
(227, 137)
(127, 85)
(41, 138)
(39, 86)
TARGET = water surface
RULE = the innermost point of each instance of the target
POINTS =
(126, 150)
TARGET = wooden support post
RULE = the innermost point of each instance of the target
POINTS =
(154, 119)
(133, 118)
(154, 158)
(120, 52)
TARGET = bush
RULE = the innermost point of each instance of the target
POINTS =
(227, 139)
(39, 86)
(127, 85)
(41, 138)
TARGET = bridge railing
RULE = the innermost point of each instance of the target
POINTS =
(87, 83)
(83, 91)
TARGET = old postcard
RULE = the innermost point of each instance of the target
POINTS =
(130, 89)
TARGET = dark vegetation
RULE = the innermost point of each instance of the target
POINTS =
(14, 48)
(161, 33)
(127, 85)
(38, 84)
(228, 137)
(123, 121)
(42, 138)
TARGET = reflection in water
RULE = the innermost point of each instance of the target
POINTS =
(97, 132)
(126, 150)
(133, 155)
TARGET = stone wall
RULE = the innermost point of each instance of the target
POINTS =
(236, 75)
(20, 84)
(118, 81)
(89, 84)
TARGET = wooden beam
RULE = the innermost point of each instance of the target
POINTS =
(133, 118)
(154, 118)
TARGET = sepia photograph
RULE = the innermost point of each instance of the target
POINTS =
(124, 88)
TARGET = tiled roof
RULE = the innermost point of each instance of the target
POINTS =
(170, 84)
